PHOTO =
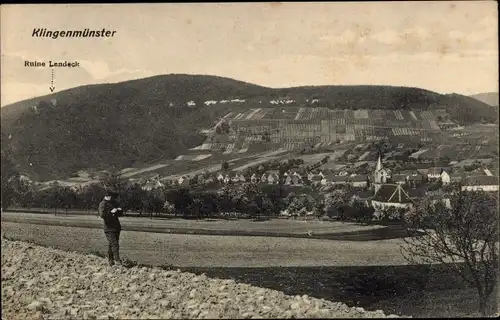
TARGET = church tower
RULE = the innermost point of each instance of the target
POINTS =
(380, 175)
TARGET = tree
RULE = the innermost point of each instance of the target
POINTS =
(296, 206)
(183, 201)
(463, 237)
(92, 195)
(195, 180)
(21, 191)
(359, 211)
(132, 197)
(225, 166)
(114, 180)
(335, 201)
(168, 207)
(319, 208)
(9, 176)
(209, 205)
(273, 197)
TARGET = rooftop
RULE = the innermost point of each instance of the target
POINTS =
(392, 193)
(481, 181)
(398, 177)
(358, 178)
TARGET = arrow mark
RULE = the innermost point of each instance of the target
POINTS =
(52, 88)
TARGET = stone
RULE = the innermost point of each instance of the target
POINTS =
(295, 305)
(133, 288)
(35, 305)
(192, 294)
(265, 309)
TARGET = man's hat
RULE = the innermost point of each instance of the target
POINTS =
(111, 193)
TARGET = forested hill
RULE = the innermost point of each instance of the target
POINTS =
(136, 121)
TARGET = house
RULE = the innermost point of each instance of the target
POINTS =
(171, 181)
(399, 178)
(408, 173)
(477, 183)
(415, 179)
(316, 179)
(236, 178)
(152, 185)
(337, 180)
(297, 179)
(220, 177)
(271, 177)
(457, 177)
(488, 172)
(343, 173)
(310, 176)
(445, 178)
(254, 178)
(423, 171)
(434, 173)
(327, 179)
(183, 181)
(412, 176)
(263, 178)
(206, 179)
(293, 179)
(391, 195)
(358, 181)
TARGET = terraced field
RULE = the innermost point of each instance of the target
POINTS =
(292, 128)
(296, 127)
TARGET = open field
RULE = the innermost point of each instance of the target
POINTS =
(214, 251)
(313, 229)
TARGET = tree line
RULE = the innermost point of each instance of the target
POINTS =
(195, 201)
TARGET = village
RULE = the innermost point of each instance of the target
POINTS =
(378, 187)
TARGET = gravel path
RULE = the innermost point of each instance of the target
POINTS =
(42, 282)
(214, 251)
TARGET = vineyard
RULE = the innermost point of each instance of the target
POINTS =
(293, 127)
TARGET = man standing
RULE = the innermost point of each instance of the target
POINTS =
(109, 211)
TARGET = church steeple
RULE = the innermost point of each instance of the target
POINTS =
(380, 174)
(379, 164)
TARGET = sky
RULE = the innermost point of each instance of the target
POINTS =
(440, 46)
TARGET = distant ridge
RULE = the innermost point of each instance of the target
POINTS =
(132, 122)
(490, 98)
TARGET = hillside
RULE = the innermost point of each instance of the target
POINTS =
(490, 98)
(139, 121)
